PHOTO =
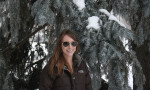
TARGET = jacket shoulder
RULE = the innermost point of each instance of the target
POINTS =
(46, 70)
(84, 65)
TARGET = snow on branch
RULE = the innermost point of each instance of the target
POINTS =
(111, 17)
(93, 22)
(80, 4)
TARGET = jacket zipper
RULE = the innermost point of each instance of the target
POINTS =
(72, 78)
(73, 82)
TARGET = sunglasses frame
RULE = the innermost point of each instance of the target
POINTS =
(68, 43)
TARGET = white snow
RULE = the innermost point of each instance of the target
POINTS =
(93, 22)
(123, 23)
(8, 15)
(130, 77)
(105, 12)
(4, 9)
(36, 56)
(104, 77)
(0, 24)
(112, 17)
(125, 42)
(3, 19)
(80, 4)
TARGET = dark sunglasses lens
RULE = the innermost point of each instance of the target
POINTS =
(74, 44)
(65, 44)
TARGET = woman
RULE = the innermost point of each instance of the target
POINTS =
(66, 70)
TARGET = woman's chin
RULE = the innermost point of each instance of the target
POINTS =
(69, 54)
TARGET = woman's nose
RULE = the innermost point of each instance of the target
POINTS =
(70, 46)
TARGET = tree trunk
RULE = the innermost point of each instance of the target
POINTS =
(143, 56)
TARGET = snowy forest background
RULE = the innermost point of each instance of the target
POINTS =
(114, 40)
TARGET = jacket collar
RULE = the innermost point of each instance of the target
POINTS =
(76, 61)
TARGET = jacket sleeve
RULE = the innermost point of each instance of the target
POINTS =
(46, 81)
(88, 79)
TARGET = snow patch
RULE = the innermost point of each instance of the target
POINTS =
(112, 17)
(105, 12)
(4, 9)
(0, 24)
(130, 77)
(80, 4)
(93, 22)
(125, 42)
(104, 77)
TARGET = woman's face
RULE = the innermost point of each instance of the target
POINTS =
(67, 48)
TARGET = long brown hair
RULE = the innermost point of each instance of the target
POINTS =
(57, 59)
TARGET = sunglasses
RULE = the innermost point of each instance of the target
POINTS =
(66, 44)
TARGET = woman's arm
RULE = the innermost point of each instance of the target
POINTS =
(46, 81)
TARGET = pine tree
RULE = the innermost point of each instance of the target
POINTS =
(137, 13)
(101, 47)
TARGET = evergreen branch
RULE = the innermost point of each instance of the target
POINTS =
(10, 49)
(38, 62)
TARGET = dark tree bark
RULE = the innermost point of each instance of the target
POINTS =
(143, 56)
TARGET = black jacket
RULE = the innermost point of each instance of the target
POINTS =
(80, 80)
